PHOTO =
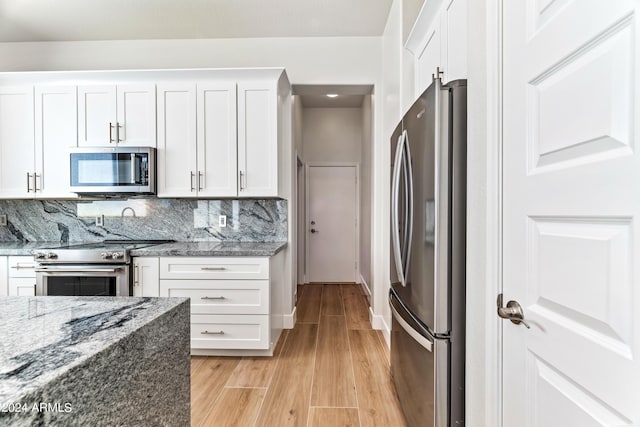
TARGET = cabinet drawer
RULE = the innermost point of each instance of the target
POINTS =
(22, 266)
(22, 286)
(220, 296)
(214, 268)
(230, 331)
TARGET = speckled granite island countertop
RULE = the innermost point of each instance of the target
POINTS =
(250, 249)
(94, 361)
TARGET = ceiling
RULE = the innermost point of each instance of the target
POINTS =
(73, 20)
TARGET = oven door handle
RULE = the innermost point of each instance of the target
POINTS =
(78, 270)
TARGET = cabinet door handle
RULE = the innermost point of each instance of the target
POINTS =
(191, 182)
(118, 126)
(28, 182)
(213, 268)
(220, 297)
(212, 333)
(35, 182)
(136, 276)
(241, 181)
(200, 176)
(111, 133)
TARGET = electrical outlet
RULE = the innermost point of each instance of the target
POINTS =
(100, 221)
(3, 220)
(222, 220)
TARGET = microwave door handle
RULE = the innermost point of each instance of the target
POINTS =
(133, 168)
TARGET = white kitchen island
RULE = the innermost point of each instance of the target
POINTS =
(94, 361)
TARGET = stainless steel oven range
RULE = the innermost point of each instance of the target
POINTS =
(87, 269)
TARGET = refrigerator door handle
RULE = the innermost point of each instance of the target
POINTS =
(395, 234)
(428, 345)
(409, 240)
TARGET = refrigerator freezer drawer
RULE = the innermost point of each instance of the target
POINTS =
(420, 370)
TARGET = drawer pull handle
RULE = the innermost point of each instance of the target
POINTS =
(20, 266)
(213, 268)
(220, 297)
(212, 333)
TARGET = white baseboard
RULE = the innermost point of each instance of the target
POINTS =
(289, 320)
(365, 288)
(377, 322)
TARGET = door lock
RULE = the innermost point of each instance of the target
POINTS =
(513, 311)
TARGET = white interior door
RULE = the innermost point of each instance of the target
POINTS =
(571, 213)
(332, 223)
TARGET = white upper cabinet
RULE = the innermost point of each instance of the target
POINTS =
(177, 161)
(112, 115)
(439, 39)
(16, 142)
(257, 139)
(55, 134)
(219, 139)
(216, 134)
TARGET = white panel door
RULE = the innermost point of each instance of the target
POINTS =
(257, 140)
(16, 142)
(177, 167)
(217, 142)
(136, 112)
(96, 115)
(56, 132)
(332, 223)
(571, 213)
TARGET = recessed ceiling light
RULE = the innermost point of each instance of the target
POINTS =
(332, 95)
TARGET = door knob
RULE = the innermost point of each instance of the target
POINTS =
(513, 311)
(314, 231)
(313, 223)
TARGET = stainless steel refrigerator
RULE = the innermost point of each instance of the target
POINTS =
(428, 241)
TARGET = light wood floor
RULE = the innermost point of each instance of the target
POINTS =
(331, 370)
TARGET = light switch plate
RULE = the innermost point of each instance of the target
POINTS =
(222, 220)
(3, 220)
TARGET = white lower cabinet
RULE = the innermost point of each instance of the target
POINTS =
(146, 277)
(22, 276)
(234, 302)
(4, 287)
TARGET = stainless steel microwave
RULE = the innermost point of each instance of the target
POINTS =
(113, 170)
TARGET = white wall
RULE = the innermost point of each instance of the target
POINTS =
(308, 60)
(332, 134)
(365, 194)
(386, 116)
(300, 211)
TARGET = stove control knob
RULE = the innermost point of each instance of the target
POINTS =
(51, 255)
(105, 255)
(40, 255)
(117, 255)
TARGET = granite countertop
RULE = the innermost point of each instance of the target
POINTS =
(212, 249)
(25, 248)
(42, 338)
(167, 249)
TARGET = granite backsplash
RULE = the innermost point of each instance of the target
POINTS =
(177, 219)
